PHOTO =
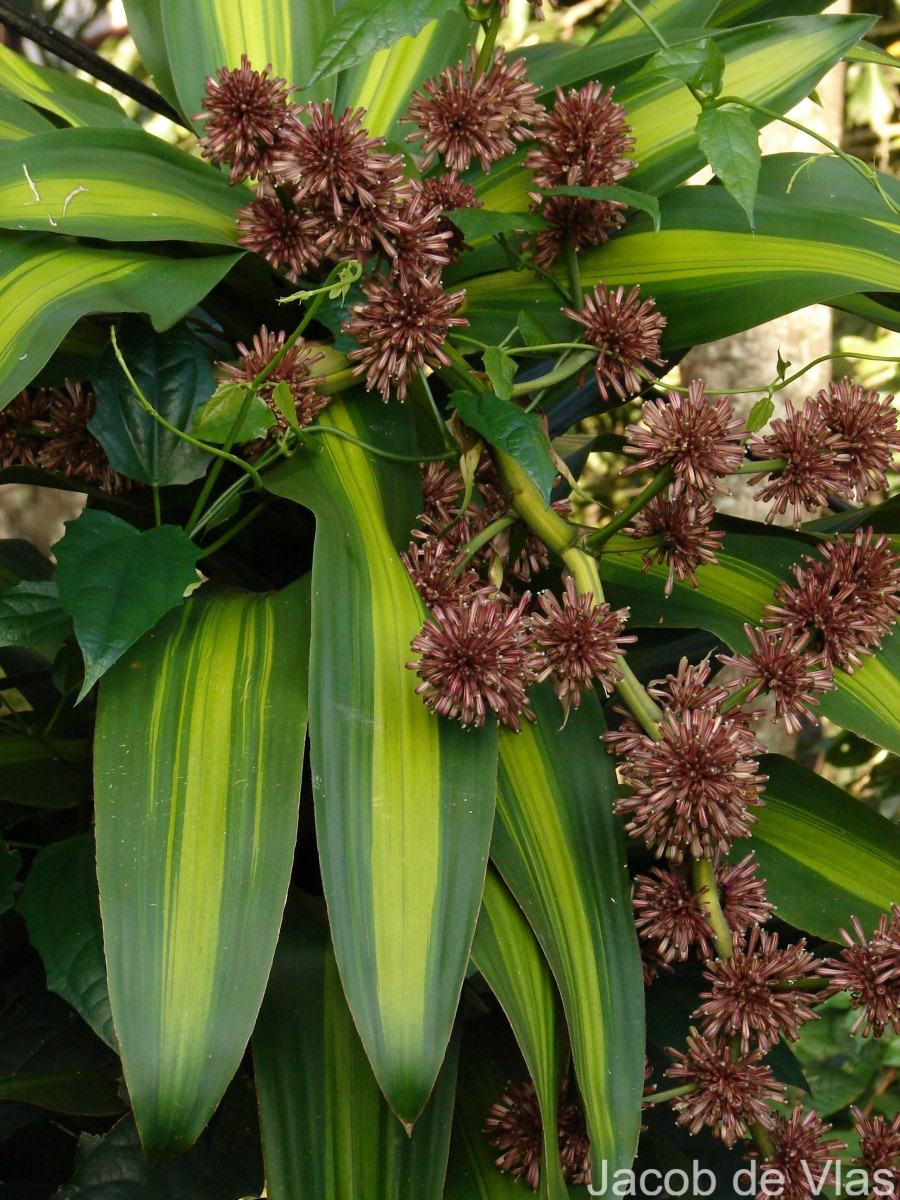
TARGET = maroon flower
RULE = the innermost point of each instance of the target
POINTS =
(582, 141)
(576, 222)
(732, 1093)
(285, 236)
(803, 1154)
(476, 657)
(746, 999)
(743, 894)
(418, 246)
(687, 540)
(515, 1121)
(399, 330)
(442, 489)
(671, 915)
(879, 1150)
(815, 461)
(626, 332)
(432, 568)
(22, 427)
(779, 664)
(574, 1143)
(69, 448)
(582, 642)
(869, 969)
(447, 192)
(294, 370)
(692, 791)
(699, 438)
(245, 112)
(866, 425)
(688, 688)
(463, 115)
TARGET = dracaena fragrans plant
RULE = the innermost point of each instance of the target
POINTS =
(327, 354)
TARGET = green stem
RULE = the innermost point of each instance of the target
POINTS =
(657, 484)
(803, 985)
(762, 466)
(252, 390)
(763, 1140)
(524, 264)
(239, 527)
(736, 699)
(157, 507)
(481, 539)
(420, 383)
(376, 450)
(574, 272)
(558, 375)
(646, 20)
(487, 46)
(562, 538)
(672, 1094)
(542, 349)
(851, 160)
(221, 455)
(703, 875)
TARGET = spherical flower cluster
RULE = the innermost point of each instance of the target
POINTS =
(516, 1128)
(803, 1155)
(780, 664)
(842, 441)
(869, 969)
(688, 541)
(626, 332)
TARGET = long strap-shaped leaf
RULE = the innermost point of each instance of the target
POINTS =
(47, 283)
(327, 1130)
(737, 591)
(404, 801)
(198, 760)
(825, 855)
(507, 954)
(558, 845)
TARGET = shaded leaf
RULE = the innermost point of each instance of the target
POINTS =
(117, 582)
(478, 223)
(59, 92)
(19, 120)
(363, 26)
(512, 430)
(31, 614)
(61, 908)
(318, 1096)
(174, 374)
(532, 331)
(31, 773)
(84, 1093)
(730, 142)
(22, 560)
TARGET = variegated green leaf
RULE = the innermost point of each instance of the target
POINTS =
(825, 856)
(47, 283)
(74, 100)
(327, 1130)
(507, 954)
(19, 120)
(665, 14)
(737, 591)
(198, 761)
(774, 64)
(205, 35)
(122, 185)
(559, 848)
(146, 28)
(738, 12)
(404, 801)
(384, 83)
(800, 254)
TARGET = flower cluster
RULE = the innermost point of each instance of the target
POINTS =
(869, 969)
(626, 331)
(841, 441)
(48, 429)
(516, 1128)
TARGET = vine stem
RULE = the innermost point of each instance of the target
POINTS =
(672, 1094)
(558, 375)
(487, 46)
(376, 450)
(657, 484)
(481, 539)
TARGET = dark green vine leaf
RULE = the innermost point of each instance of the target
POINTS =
(634, 199)
(730, 141)
(10, 865)
(218, 415)
(31, 774)
(224, 1163)
(700, 64)
(501, 370)
(31, 614)
(174, 374)
(364, 26)
(21, 560)
(117, 582)
(61, 908)
(512, 430)
(533, 332)
(477, 223)
(760, 414)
